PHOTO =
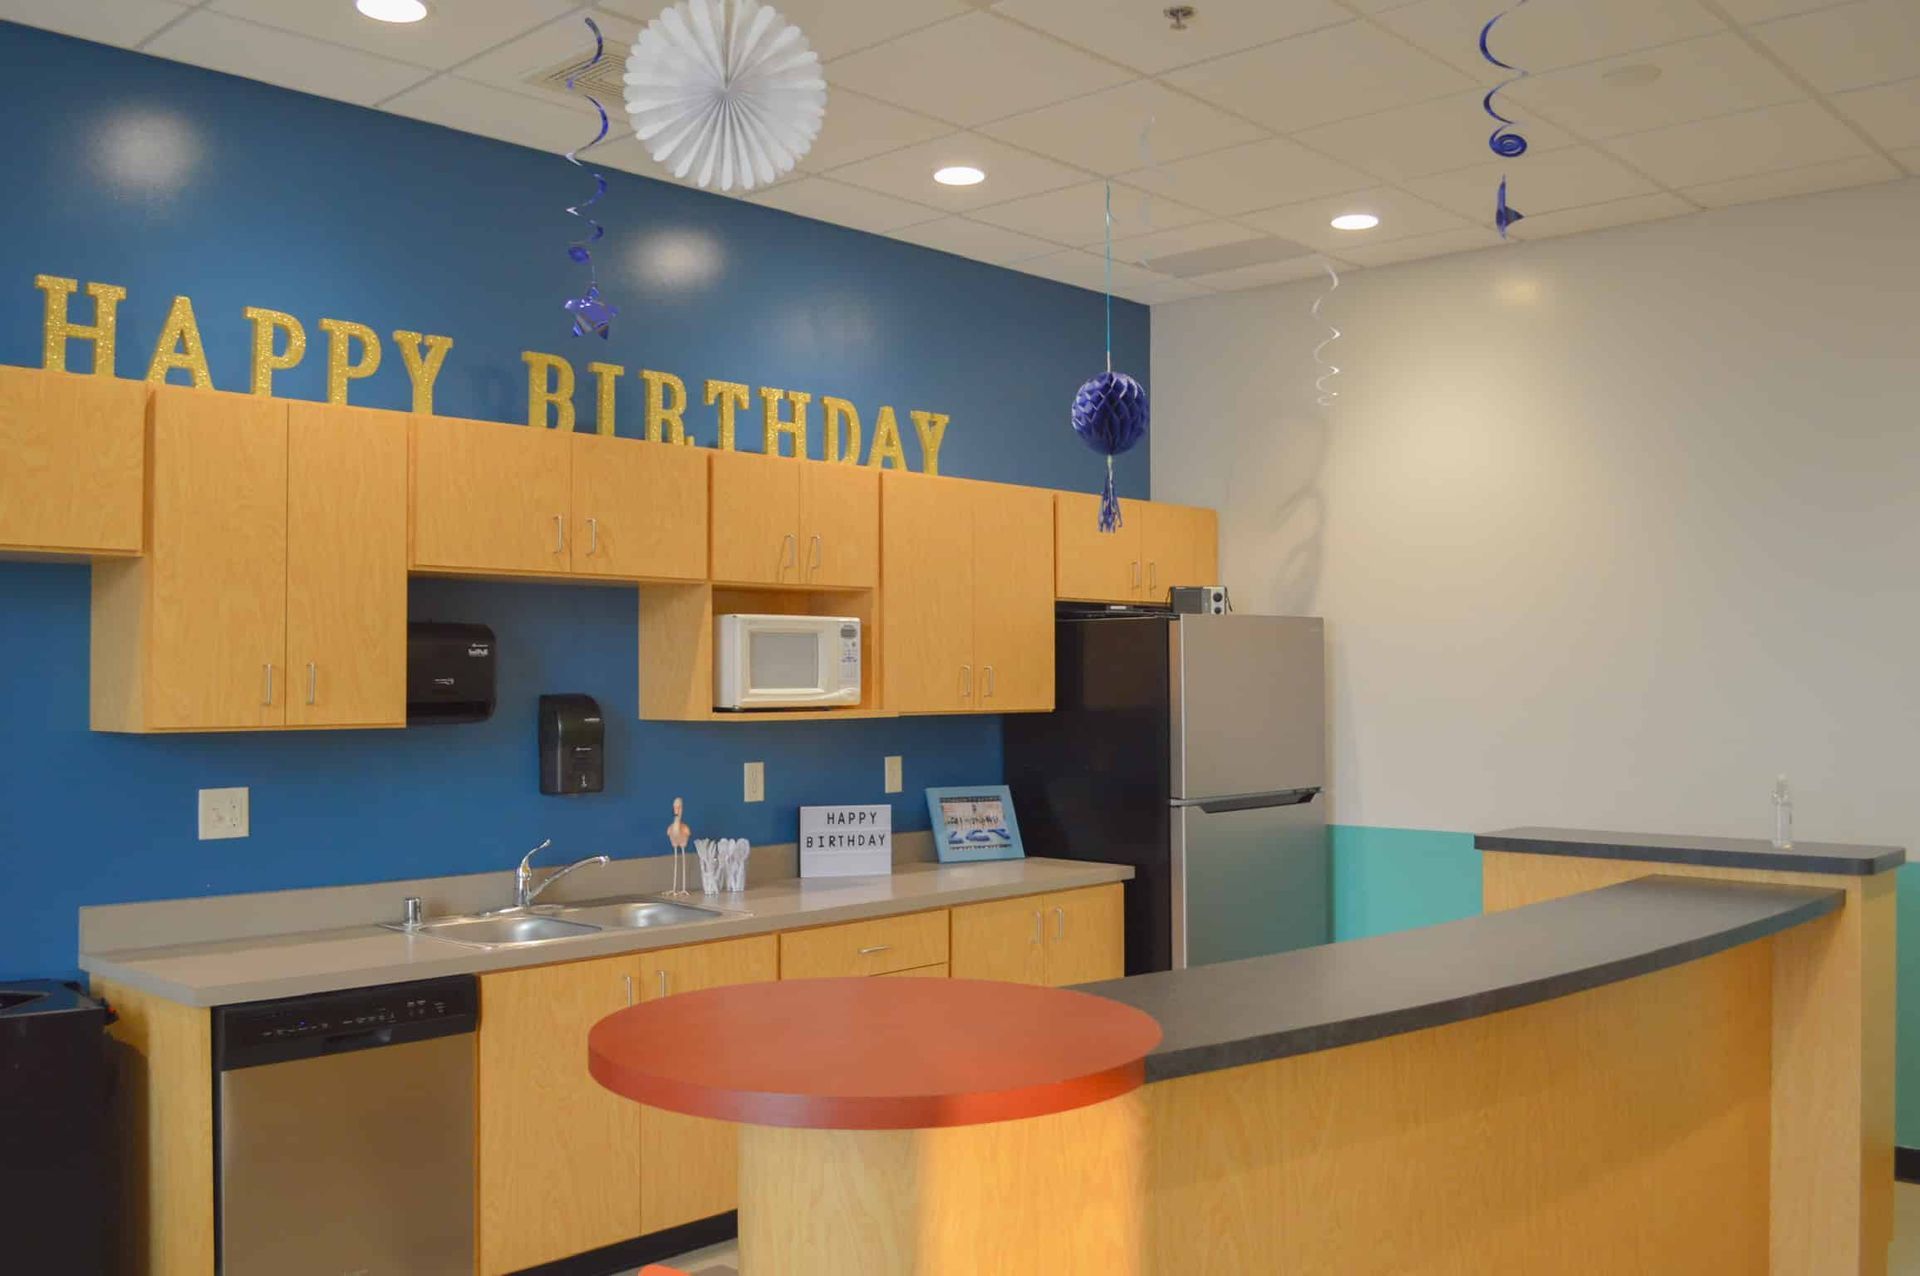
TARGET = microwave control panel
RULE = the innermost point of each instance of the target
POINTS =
(850, 655)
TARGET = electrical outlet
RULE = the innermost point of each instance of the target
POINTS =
(223, 814)
(893, 773)
(756, 782)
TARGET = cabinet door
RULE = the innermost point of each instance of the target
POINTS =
(756, 519)
(1004, 939)
(639, 509)
(1086, 935)
(1013, 597)
(689, 1165)
(346, 566)
(926, 593)
(839, 524)
(558, 1153)
(216, 629)
(73, 453)
(489, 497)
(1092, 564)
(1177, 547)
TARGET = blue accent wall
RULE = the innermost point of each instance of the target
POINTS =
(166, 179)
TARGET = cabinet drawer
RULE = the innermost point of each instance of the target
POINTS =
(874, 947)
(919, 972)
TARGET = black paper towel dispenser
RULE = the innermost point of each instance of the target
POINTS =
(573, 745)
(450, 673)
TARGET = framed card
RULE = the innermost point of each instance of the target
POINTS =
(973, 823)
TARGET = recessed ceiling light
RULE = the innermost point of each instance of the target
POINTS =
(1355, 221)
(959, 175)
(392, 10)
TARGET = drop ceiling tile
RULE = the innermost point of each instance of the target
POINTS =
(1618, 212)
(1863, 170)
(1889, 113)
(1126, 127)
(493, 112)
(1538, 183)
(1266, 274)
(858, 128)
(1849, 46)
(121, 22)
(1546, 33)
(973, 69)
(1162, 291)
(1089, 270)
(1447, 241)
(628, 155)
(1401, 215)
(1077, 214)
(1140, 35)
(1326, 75)
(545, 47)
(978, 240)
(1773, 137)
(1698, 79)
(1143, 249)
(835, 27)
(452, 32)
(1749, 11)
(908, 173)
(1432, 137)
(220, 43)
(1258, 175)
(1910, 158)
(824, 199)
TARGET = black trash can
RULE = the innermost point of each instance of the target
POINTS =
(54, 1181)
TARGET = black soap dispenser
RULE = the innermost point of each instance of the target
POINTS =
(573, 745)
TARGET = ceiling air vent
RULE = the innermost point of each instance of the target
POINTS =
(605, 81)
(1245, 252)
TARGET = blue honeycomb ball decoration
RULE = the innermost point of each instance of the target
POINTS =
(1110, 416)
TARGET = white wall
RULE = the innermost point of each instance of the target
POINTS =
(1608, 529)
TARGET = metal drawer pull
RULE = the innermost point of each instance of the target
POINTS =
(1135, 565)
(966, 681)
(593, 536)
(313, 681)
(1153, 575)
(665, 980)
(813, 562)
(871, 949)
(269, 699)
(559, 533)
(789, 551)
(989, 670)
(629, 982)
(1037, 935)
(1059, 923)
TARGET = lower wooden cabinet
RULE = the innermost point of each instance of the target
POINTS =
(1086, 935)
(72, 462)
(877, 947)
(1069, 937)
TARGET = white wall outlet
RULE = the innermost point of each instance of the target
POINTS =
(756, 782)
(223, 813)
(893, 773)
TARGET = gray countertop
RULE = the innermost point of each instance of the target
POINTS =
(1706, 852)
(259, 967)
(1244, 1012)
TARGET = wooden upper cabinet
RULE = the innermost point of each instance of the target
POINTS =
(1177, 547)
(491, 498)
(1092, 564)
(193, 636)
(839, 525)
(756, 519)
(639, 510)
(72, 462)
(346, 567)
(926, 593)
(1013, 598)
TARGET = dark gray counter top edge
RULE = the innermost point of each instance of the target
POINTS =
(1832, 859)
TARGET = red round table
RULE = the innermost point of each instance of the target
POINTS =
(907, 1125)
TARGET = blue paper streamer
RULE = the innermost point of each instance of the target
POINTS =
(1504, 141)
(590, 314)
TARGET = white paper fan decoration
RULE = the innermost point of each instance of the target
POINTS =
(726, 91)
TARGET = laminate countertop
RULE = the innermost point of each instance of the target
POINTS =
(1245, 1012)
(256, 968)
(1839, 859)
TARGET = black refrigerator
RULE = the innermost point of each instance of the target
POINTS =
(1193, 748)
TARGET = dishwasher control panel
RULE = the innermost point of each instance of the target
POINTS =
(338, 1022)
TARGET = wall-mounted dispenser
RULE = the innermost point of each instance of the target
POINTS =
(450, 673)
(573, 745)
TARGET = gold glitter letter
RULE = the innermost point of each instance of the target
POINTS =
(838, 411)
(932, 427)
(795, 429)
(549, 381)
(58, 329)
(265, 361)
(341, 334)
(666, 402)
(605, 376)
(422, 371)
(731, 396)
(886, 441)
(179, 347)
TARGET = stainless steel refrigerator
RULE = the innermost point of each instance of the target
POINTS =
(1192, 747)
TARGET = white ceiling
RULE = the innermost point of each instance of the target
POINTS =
(1264, 118)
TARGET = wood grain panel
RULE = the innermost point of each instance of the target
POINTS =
(689, 1166)
(73, 453)
(558, 1155)
(1090, 564)
(346, 566)
(163, 1123)
(676, 652)
(486, 497)
(926, 594)
(942, 971)
(1086, 935)
(1002, 939)
(1619, 1130)
(639, 509)
(839, 525)
(1013, 597)
(889, 943)
(1179, 546)
(756, 519)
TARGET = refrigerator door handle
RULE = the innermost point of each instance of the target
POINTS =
(1251, 801)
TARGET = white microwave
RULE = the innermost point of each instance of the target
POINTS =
(785, 662)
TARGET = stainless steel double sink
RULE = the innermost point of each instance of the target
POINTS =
(548, 923)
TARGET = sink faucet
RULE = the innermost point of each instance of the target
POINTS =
(525, 892)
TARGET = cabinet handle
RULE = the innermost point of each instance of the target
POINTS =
(628, 980)
(966, 681)
(666, 982)
(989, 672)
(813, 560)
(1135, 565)
(593, 536)
(269, 699)
(559, 533)
(1038, 935)
(1153, 576)
(1059, 922)
(871, 949)
(789, 551)
(313, 681)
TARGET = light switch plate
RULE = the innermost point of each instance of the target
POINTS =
(893, 773)
(223, 814)
(756, 782)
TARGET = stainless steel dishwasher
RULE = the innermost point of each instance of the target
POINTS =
(345, 1131)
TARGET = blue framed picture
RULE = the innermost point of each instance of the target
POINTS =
(974, 822)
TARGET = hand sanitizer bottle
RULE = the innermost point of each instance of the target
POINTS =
(1782, 815)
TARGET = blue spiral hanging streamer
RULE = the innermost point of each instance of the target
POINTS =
(1504, 141)
(590, 314)
(1324, 393)
(1110, 410)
